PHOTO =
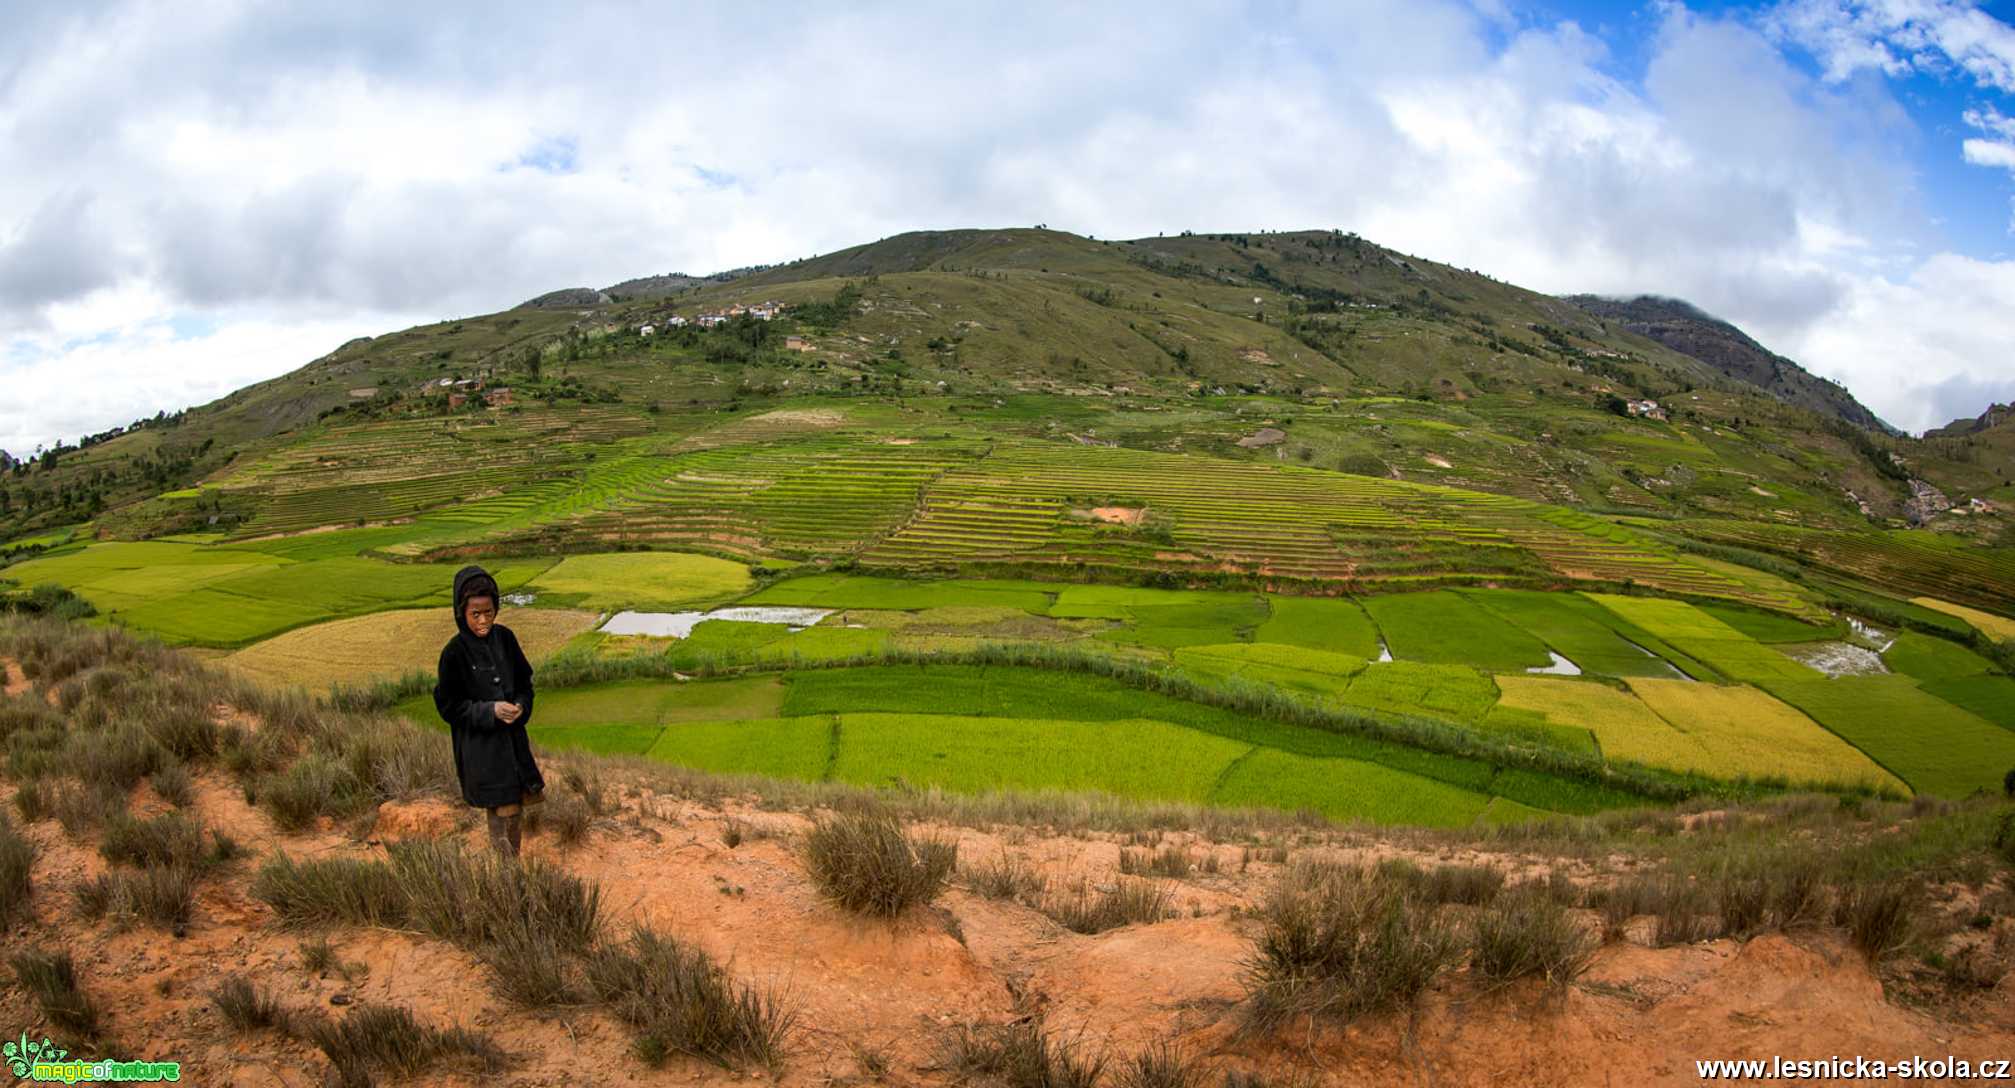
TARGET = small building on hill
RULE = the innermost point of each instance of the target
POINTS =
(497, 398)
(797, 343)
(646, 330)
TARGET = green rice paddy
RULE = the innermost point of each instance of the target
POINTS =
(1932, 744)
(640, 580)
(1448, 628)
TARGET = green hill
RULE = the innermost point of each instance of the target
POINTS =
(1316, 524)
(1317, 350)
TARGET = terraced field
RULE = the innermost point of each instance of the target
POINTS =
(379, 471)
(1012, 507)
(1925, 564)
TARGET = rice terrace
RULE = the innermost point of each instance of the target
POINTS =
(1064, 575)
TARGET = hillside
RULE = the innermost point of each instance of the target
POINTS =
(1685, 329)
(1317, 349)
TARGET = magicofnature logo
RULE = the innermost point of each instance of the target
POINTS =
(28, 1059)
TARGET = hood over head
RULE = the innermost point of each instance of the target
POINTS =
(472, 581)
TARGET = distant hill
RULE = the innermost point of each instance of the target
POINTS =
(641, 289)
(1996, 416)
(1367, 360)
(566, 297)
(1684, 328)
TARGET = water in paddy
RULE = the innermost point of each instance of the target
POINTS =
(681, 624)
(1838, 658)
(1384, 652)
(1560, 667)
(1875, 638)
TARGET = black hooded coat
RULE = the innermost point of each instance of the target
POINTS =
(493, 760)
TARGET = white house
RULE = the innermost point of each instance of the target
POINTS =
(646, 330)
(675, 322)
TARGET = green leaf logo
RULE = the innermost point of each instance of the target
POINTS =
(22, 1054)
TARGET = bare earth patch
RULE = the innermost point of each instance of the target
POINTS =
(813, 417)
(1118, 515)
(1265, 436)
(1438, 461)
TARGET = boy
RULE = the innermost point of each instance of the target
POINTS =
(484, 692)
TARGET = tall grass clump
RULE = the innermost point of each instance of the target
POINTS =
(679, 1001)
(17, 862)
(477, 900)
(1163, 1065)
(386, 1039)
(866, 863)
(1007, 877)
(163, 896)
(1019, 1054)
(1529, 934)
(326, 891)
(173, 839)
(315, 785)
(1082, 908)
(1342, 942)
(1880, 916)
(246, 1007)
(51, 979)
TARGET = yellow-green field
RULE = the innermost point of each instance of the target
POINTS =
(1623, 725)
(1744, 731)
(387, 645)
(641, 580)
(2000, 627)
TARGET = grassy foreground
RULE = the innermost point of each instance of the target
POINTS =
(1333, 941)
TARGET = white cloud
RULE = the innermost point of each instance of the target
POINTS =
(1902, 36)
(1917, 345)
(115, 356)
(294, 177)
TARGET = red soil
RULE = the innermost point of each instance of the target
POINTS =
(1640, 1015)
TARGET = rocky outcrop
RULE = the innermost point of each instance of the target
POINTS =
(1925, 502)
(1685, 329)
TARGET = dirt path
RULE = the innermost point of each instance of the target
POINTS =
(17, 681)
(1640, 1016)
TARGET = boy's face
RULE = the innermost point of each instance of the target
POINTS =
(480, 613)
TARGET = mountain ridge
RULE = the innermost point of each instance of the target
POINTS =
(1685, 328)
(1398, 366)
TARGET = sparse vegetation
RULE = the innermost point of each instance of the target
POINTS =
(247, 1007)
(374, 1039)
(51, 979)
(865, 862)
(1020, 1054)
(1340, 942)
(679, 1001)
(17, 862)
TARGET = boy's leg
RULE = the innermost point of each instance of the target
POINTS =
(504, 833)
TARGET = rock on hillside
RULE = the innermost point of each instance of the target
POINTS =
(1685, 329)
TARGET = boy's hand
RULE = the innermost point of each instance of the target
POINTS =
(508, 712)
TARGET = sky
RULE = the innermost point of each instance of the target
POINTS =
(196, 197)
